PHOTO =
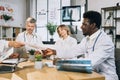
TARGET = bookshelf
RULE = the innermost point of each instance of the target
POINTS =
(110, 22)
(9, 32)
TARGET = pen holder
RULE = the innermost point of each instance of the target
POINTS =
(31, 58)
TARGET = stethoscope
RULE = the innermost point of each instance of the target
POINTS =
(34, 37)
(96, 41)
(83, 55)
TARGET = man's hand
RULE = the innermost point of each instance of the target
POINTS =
(49, 52)
(14, 55)
(15, 44)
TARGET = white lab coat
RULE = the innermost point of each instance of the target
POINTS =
(102, 57)
(3, 46)
(34, 40)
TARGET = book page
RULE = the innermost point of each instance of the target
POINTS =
(6, 54)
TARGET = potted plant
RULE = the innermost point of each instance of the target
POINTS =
(51, 28)
(6, 17)
(38, 56)
(38, 60)
(31, 54)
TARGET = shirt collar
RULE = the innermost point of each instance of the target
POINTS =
(66, 38)
(29, 34)
(93, 36)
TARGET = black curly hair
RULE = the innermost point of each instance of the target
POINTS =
(94, 17)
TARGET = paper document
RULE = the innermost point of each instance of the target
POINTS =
(6, 54)
(16, 77)
(49, 64)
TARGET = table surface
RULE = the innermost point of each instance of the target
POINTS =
(27, 71)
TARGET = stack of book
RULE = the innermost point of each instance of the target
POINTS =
(9, 65)
(5, 68)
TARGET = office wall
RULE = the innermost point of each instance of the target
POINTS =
(19, 13)
(98, 4)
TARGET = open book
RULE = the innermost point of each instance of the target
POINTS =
(3, 58)
(6, 54)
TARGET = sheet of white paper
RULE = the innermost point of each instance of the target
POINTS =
(16, 77)
(6, 54)
(49, 64)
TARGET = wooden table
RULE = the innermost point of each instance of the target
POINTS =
(27, 72)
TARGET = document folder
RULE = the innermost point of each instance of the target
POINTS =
(75, 65)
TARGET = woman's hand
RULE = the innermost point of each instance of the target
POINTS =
(49, 52)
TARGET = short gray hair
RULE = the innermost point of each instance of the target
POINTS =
(31, 20)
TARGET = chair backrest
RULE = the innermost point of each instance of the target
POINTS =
(117, 61)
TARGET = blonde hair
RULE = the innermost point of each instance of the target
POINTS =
(64, 27)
